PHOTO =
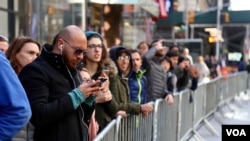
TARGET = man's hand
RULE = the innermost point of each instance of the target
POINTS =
(169, 99)
(121, 113)
(89, 88)
(146, 109)
(158, 45)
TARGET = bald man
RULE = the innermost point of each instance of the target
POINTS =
(185, 53)
(61, 103)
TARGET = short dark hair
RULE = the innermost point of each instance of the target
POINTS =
(182, 58)
(166, 58)
(142, 42)
(134, 51)
(173, 53)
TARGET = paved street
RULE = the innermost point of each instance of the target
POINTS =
(235, 112)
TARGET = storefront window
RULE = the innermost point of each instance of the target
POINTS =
(47, 17)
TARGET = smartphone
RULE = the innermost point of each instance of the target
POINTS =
(102, 80)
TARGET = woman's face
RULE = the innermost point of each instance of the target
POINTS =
(28, 53)
(95, 48)
(166, 65)
(123, 62)
(174, 60)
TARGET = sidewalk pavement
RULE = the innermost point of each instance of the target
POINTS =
(236, 111)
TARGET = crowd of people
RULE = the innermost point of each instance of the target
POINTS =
(73, 87)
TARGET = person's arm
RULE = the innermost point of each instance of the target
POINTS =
(194, 74)
(39, 88)
(147, 57)
(15, 110)
(151, 52)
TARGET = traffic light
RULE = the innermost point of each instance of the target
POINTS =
(226, 17)
(191, 16)
(211, 39)
(51, 10)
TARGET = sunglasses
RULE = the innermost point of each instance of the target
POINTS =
(77, 51)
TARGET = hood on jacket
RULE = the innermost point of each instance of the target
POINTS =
(115, 52)
(110, 65)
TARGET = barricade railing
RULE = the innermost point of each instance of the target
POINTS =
(136, 128)
(166, 120)
(109, 133)
(180, 120)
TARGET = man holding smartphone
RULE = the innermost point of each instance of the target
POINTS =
(61, 104)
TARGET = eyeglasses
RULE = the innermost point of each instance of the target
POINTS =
(94, 46)
(122, 58)
(77, 51)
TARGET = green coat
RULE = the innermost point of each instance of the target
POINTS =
(120, 90)
(105, 112)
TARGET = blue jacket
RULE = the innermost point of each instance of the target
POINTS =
(15, 110)
(138, 87)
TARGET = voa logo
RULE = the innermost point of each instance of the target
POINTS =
(236, 132)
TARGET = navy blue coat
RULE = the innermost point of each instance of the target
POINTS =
(138, 87)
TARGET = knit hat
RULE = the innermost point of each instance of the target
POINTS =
(120, 51)
(89, 34)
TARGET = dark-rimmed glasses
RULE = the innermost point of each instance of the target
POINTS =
(77, 51)
(94, 46)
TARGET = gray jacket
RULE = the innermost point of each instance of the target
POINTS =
(156, 76)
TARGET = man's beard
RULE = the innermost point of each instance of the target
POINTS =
(66, 60)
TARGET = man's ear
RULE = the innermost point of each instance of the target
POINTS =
(61, 47)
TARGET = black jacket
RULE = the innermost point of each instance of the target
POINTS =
(47, 82)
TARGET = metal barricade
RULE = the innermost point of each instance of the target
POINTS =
(199, 104)
(136, 128)
(108, 133)
(211, 96)
(166, 120)
(176, 122)
(186, 113)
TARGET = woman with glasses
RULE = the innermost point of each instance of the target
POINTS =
(94, 64)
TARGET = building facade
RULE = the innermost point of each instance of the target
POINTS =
(44, 18)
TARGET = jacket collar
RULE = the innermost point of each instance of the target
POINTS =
(54, 59)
